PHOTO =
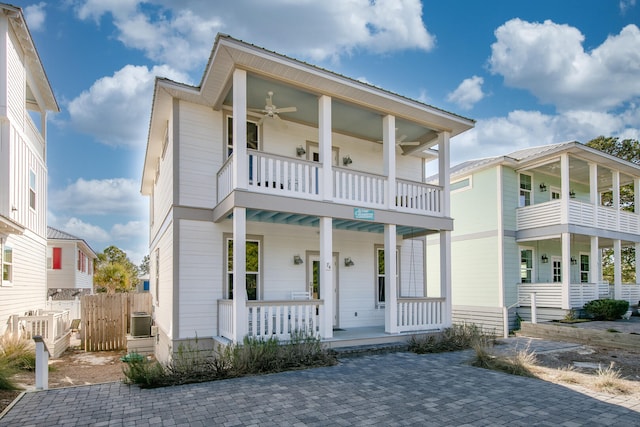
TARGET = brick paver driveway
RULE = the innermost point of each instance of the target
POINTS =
(387, 389)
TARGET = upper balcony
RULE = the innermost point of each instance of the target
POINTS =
(297, 178)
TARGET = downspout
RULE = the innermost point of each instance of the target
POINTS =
(501, 298)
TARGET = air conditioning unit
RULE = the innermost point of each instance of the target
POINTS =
(140, 324)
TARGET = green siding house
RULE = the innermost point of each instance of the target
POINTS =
(530, 228)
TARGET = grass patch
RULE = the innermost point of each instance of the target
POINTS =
(521, 363)
(455, 338)
(613, 330)
(254, 357)
(610, 380)
(15, 355)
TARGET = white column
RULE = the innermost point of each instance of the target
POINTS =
(443, 172)
(324, 146)
(390, 285)
(327, 287)
(617, 269)
(594, 260)
(566, 270)
(615, 175)
(240, 129)
(240, 319)
(389, 158)
(593, 183)
(565, 185)
(637, 260)
(42, 364)
(445, 275)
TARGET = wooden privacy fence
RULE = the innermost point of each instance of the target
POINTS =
(106, 319)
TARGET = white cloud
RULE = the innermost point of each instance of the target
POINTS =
(132, 229)
(549, 60)
(116, 109)
(468, 93)
(35, 16)
(182, 35)
(626, 5)
(85, 231)
(115, 196)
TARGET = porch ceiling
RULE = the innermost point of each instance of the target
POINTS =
(338, 224)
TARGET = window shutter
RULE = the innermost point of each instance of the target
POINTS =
(57, 258)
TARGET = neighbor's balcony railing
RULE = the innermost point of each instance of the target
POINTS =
(279, 175)
(50, 325)
(550, 294)
(580, 213)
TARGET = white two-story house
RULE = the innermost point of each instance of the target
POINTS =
(535, 222)
(25, 99)
(320, 179)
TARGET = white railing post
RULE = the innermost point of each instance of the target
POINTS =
(534, 309)
(42, 364)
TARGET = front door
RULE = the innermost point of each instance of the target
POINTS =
(313, 278)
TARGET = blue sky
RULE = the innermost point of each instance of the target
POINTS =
(529, 72)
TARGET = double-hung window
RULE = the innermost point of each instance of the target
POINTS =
(525, 190)
(526, 265)
(252, 268)
(7, 265)
(584, 268)
(32, 189)
(380, 275)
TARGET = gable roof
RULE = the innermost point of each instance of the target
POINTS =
(19, 24)
(55, 234)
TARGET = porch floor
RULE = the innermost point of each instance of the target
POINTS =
(369, 336)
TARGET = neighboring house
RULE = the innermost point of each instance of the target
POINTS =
(319, 177)
(70, 262)
(25, 99)
(533, 221)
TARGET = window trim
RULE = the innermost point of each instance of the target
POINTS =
(520, 189)
(533, 262)
(556, 190)
(376, 266)
(588, 270)
(3, 255)
(51, 260)
(33, 187)
(228, 120)
(467, 186)
(552, 261)
(225, 260)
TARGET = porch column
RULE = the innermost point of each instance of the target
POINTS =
(637, 261)
(445, 275)
(239, 129)
(390, 285)
(615, 182)
(324, 146)
(327, 287)
(594, 260)
(565, 189)
(593, 194)
(566, 270)
(389, 158)
(617, 269)
(444, 179)
(240, 318)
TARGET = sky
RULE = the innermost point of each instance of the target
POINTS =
(529, 72)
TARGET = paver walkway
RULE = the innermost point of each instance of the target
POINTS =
(394, 389)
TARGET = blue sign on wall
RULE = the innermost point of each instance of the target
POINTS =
(361, 213)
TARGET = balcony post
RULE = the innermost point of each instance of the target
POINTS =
(616, 197)
(444, 178)
(240, 129)
(617, 269)
(327, 287)
(389, 158)
(565, 185)
(594, 260)
(593, 192)
(566, 270)
(390, 285)
(324, 147)
(445, 274)
(240, 320)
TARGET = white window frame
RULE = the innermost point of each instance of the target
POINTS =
(33, 187)
(588, 270)
(555, 190)
(533, 262)
(228, 274)
(521, 200)
(228, 123)
(378, 275)
(3, 262)
(553, 261)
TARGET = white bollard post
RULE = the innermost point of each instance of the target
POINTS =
(42, 364)
(534, 314)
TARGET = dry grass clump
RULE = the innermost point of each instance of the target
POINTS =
(610, 380)
(16, 354)
(521, 363)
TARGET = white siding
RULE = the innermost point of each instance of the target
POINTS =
(28, 290)
(163, 187)
(163, 303)
(200, 280)
(201, 154)
(16, 82)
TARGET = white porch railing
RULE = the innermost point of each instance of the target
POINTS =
(278, 319)
(547, 294)
(419, 314)
(631, 293)
(359, 188)
(550, 294)
(580, 213)
(273, 174)
(50, 325)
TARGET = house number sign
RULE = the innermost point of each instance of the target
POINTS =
(361, 213)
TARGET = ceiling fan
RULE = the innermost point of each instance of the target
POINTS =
(271, 111)
(400, 142)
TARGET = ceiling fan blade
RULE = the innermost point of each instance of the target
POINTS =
(286, 110)
(261, 120)
(256, 110)
(410, 143)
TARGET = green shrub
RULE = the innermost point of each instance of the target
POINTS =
(606, 309)
(255, 356)
(455, 338)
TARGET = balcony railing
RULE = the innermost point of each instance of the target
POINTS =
(580, 213)
(419, 314)
(279, 175)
